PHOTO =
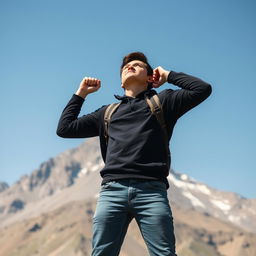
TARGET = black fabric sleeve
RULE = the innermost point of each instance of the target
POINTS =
(70, 126)
(193, 91)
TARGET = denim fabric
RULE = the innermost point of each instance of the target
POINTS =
(121, 201)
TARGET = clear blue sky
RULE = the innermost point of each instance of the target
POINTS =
(47, 47)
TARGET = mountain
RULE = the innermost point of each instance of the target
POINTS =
(3, 186)
(66, 231)
(227, 206)
(51, 177)
(52, 210)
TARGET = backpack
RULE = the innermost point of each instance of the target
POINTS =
(156, 109)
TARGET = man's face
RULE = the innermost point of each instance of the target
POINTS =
(134, 72)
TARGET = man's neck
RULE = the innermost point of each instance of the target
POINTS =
(133, 91)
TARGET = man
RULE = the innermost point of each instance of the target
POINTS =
(136, 157)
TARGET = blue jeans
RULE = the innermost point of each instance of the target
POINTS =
(121, 201)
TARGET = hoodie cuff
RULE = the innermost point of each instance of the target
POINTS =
(78, 98)
(171, 76)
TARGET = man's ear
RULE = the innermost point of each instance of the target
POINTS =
(150, 79)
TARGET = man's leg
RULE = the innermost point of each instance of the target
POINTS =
(154, 217)
(111, 220)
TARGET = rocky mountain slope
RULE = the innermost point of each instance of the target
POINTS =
(64, 231)
(52, 209)
(3, 186)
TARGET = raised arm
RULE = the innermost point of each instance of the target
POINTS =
(193, 90)
(70, 126)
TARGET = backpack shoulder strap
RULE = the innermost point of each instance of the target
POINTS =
(156, 109)
(107, 117)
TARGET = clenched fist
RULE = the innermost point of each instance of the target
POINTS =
(160, 76)
(88, 85)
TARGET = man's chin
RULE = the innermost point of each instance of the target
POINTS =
(125, 85)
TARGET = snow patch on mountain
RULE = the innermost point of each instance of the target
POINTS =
(83, 172)
(194, 200)
(186, 184)
(90, 167)
(96, 167)
(234, 219)
(223, 205)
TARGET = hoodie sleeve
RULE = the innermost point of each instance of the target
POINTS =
(72, 126)
(192, 92)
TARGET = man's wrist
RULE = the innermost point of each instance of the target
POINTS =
(81, 94)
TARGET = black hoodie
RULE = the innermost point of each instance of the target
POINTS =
(136, 147)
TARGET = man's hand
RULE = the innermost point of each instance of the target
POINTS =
(88, 85)
(160, 76)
